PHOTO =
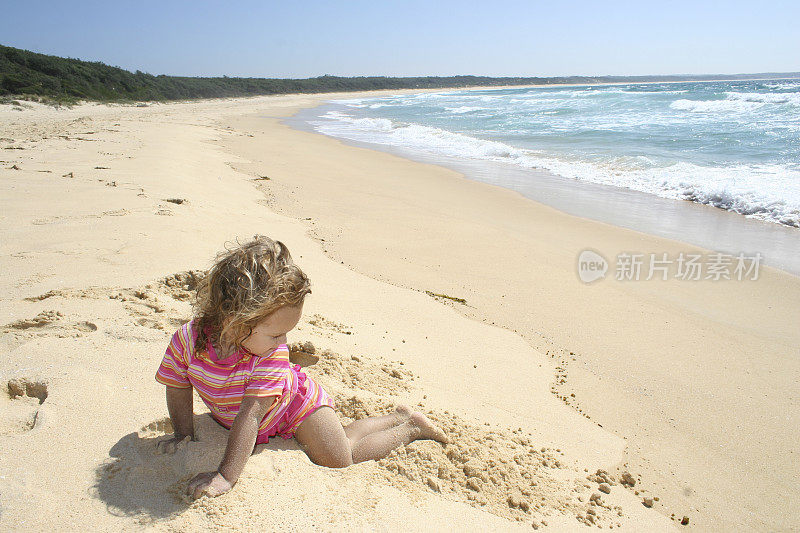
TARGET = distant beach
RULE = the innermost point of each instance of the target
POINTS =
(591, 150)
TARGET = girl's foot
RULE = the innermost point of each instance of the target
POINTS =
(403, 412)
(427, 429)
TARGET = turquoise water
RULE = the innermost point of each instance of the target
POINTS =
(732, 145)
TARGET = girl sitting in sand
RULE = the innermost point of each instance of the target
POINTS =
(234, 354)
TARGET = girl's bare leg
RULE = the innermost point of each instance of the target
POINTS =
(323, 438)
(363, 427)
(326, 443)
(378, 445)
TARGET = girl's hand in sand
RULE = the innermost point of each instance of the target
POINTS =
(171, 444)
(208, 483)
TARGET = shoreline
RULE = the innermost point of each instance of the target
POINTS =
(691, 223)
(134, 103)
(530, 335)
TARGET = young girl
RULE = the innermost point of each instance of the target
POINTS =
(234, 354)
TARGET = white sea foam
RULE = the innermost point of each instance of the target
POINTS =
(335, 115)
(716, 106)
(768, 192)
(464, 109)
(767, 98)
(656, 92)
(737, 102)
(788, 86)
(435, 140)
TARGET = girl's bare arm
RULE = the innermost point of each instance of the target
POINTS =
(243, 436)
(181, 413)
(241, 441)
(180, 407)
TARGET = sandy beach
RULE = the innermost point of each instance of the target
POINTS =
(613, 404)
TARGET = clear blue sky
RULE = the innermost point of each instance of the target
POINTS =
(412, 37)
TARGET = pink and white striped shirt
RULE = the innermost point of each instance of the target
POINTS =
(223, 384)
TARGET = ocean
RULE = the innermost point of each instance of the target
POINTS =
(733, 145)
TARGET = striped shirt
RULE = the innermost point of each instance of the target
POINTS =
(223, 384)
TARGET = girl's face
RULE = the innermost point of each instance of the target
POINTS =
(271, 331)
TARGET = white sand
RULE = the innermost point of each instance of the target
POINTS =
(691, 378)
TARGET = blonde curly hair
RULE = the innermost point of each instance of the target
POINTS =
(246, 284)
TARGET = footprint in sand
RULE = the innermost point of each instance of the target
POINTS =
(148, 308)
(43, 319)
(181, 285)
(21, 403)
(85, 326)
(50, 320)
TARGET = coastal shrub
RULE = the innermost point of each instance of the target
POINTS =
(27, 73)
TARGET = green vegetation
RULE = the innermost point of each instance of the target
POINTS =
(57, 79)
